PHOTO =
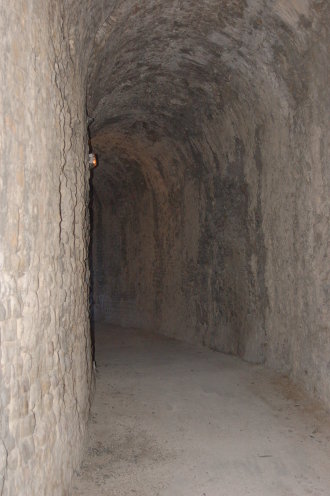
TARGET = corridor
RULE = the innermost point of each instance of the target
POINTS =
(164, 165)
(172, 419)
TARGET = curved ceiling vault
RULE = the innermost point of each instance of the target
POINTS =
(206, 118)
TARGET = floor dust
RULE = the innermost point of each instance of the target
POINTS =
(171, 419)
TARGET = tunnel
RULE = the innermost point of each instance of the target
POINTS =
(205, 224)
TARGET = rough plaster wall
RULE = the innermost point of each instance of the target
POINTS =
(211, 119)
(223, 106)
(124, 256)
(44, 325)
(297, 230)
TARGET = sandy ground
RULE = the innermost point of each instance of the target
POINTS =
(172, 419)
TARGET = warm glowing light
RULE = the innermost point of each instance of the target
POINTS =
(92, 160)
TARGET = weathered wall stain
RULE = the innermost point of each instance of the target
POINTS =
(217, 105)
(211, 202)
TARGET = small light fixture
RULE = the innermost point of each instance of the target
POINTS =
(92, 158)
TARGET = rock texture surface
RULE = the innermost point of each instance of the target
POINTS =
(44, 227)
(210, 206)
(211, 203)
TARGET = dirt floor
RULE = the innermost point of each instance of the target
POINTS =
(172, 419)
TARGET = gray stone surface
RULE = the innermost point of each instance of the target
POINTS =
(211, 202)
(44, 227)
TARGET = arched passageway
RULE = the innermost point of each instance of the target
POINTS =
(210, 205)
(211, 190)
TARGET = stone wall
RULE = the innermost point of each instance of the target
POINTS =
(221, 108)
(124, 256)
(211, 202)
(44, 229)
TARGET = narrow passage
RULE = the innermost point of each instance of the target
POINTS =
(172, 419)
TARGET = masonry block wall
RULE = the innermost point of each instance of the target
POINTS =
(44, 228)
(211, 202)
(222, 109)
